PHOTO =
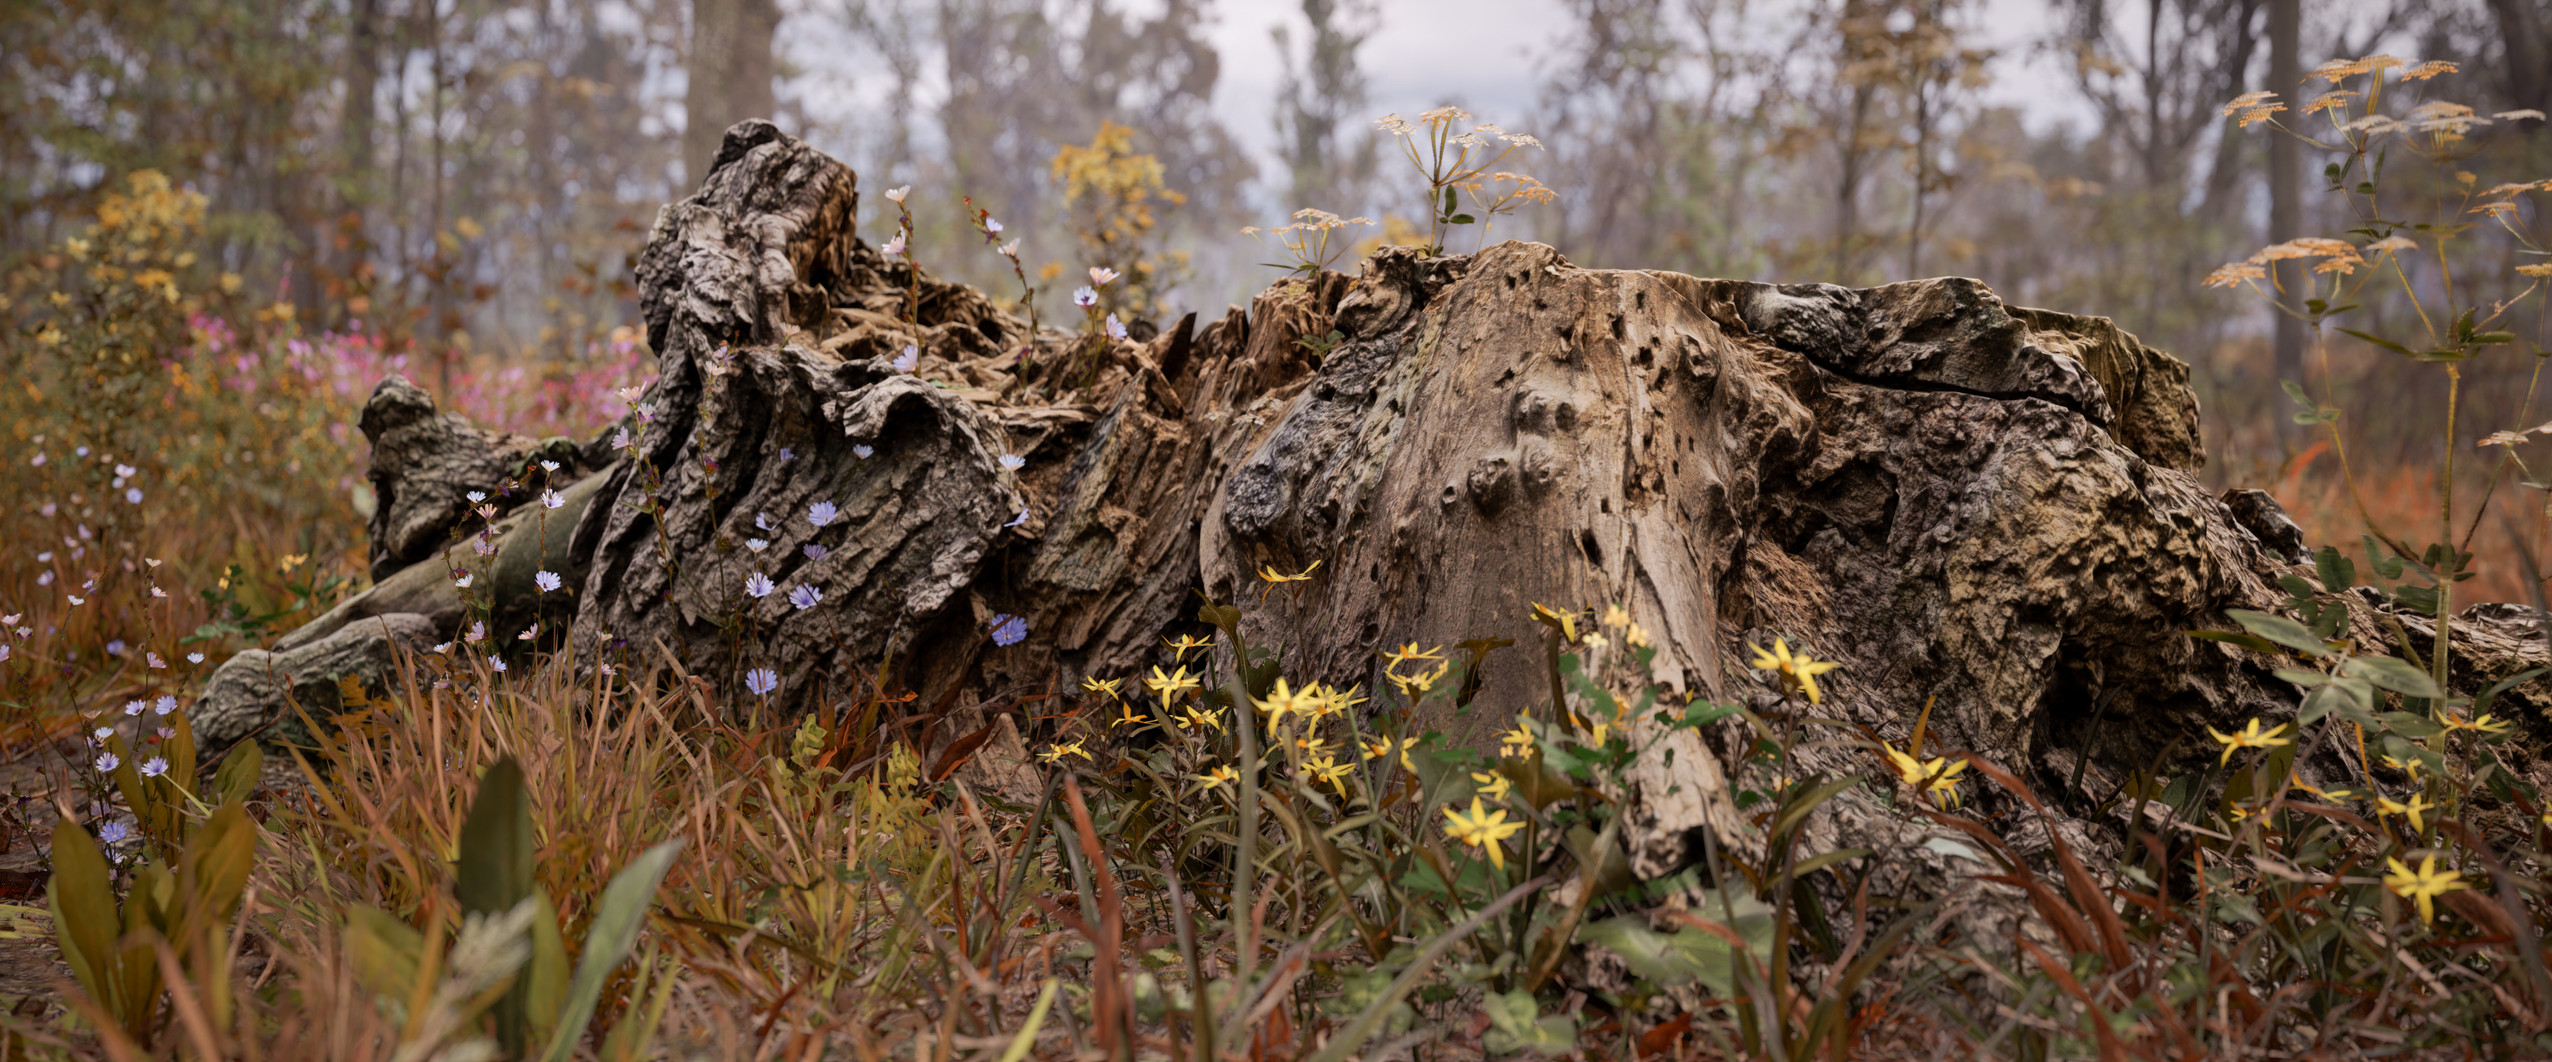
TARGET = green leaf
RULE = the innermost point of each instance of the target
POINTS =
(1516, 1025)
(1688, 955)
(616, 922)
(1460, 219)
(495, 873)
(1226, 617)
(81, 898)
(2337, 571)
(383, 950)
(2410, 725)
(2481, 704)
(2394, 674)
(545, 977)
(2251, 642)
(237, 777)
(2379, 341)
(2491, 339)
(215, 869)
(2281, 630)
(1799, 805)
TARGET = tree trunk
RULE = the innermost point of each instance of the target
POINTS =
(2285, 194)
(730, 74)
(1987, 509)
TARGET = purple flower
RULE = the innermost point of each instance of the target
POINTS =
(166, 705)
(478, 632)
(154, 767)
(787, 454)
(133, 496)
(761, 681)
(4, 653)
(496, 663)
(909, 360)
(1085, 298)
(815, 551)
(620, 439)
(1013, 462)
(758, 585)
(1116, 328)
(1017, 520)
(106, 761)
(863, 450)
(136, 707)
(115, 647)
(547, 581)
(1008, 629)
(762, 522)
(822, 513)
(112, 832)
(805, 597)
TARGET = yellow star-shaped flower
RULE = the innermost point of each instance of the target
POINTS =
(1127, 716)
(1274, 578)
(1493, 785)
(1410, 652)
(1937, 776)
(2487, 724)
(1328, 769)
(1096, 684)
(1516, 742)
(2423, 885)
(1796, 670)
(1215, 778)
(2417, 807)
(1381, 747)
(1483, 829)
(1565, 621)
(1183, 644)
(2250, 737)
(1059, 750)
(1197, 717)
(1171, 684)
(1279, 703)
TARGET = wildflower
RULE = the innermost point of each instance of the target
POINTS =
(106, 761)
(1013, 462)
(1196, 718)
(992, 228)
(477, 632)
(1116, 330)
(76, 600)
(1328, 769)
(909, 360)
(1057, 751)
(894, 246)
(1100, 276)
(4, 653)
(2422, 886)
(1796, 670)
(194, 658)
(863, 451)
(154, 767)
(476, 496)
(2409, 767)
(1381, 747)
(153, 659)
(1567, 623)
(1937, 776)
(529, 633)
(757, 545)
(620, 439)
(2252, 108)
(1170, 684)
(814, 551)
(1268, 574)
(103, 733)
(1009, 250)
(631, 392)
(550, 499)
(1214, 779)
(1126, 716)
(1096, 684)
(1483, 829)
(822, 513)
(1413, 685)
(805, 597)
(761, 681)
(164, 705)
(606, 669)
(1009, 630)
(898, 194)
(133, 496)
(2417, 807)
(112, 832)
(2251, 737)
(2487, 724)
(157, 592)
(1085, 298)
(496, 663)
(1312, 745)
(1016, 520)
(1635, 636)
(1595, 640)
(1516, 742)
(1492, 784)
(1616, 616)
(136, 707)
(549, 466)
(547, 581)
(1279, 702)
(1183, 643)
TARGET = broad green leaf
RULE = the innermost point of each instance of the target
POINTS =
(2281, 630)
(81, 898)
(384, 951)
(2394, 674)
(2303, 678)
(2337, 572)
(237, 776)
(1687, 955)
(2378, 341)
(617, 919)
(2410, 725)
(215, 869)
(1516, 1024)
(495, 874)
(545, 978)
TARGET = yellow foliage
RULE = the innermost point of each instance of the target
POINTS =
(1115, 195)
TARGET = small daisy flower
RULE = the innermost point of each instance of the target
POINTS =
(103, 733)
(112, 832)
(164, 705)
(154, 767)
(1116, 328)
(496, 663)
(758, 585)
(815, 551)
(1013, 462)
(757, 545)
(547, 581)
(805, 597)
(1009, 630)
(1085, 297)
(462, 578)
(153, 659)
(992, 228)
(550, 499)
(762, 522)
(894, 246)
(549, 466)
(106, 761)
(1017, 520)
(823, 513)
(476, 496)
(136, 707)
(165, 733)
(620, 439)
(478, 632)
(194, 658)
(529, 634)
(898, 194)
(1101, 276)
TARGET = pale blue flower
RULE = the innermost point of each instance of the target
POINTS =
(787, 454)
(822, 513)
(550, 499)
(136, 707)
(1017, 520)
(758, 585)
(1116, 328)
(462, 578)
(1008, 629)
(194, 658)
(620, 439)
(166, 705)
(894, 246)
(496, 663)
(112, 832)
(1085, 298)
(762, 522)
(133, 496)
(106, 761)
(757, 545)
(863, 450)
(909, 360)
(805, 597)
(761, 681)
(154, 767)
(815, 551)
(549, 466)
(547, 581)
(1013, 462)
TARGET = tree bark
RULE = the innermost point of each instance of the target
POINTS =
(729, 74)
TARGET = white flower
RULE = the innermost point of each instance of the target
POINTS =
(462, 580)
(164, 705)
(606, 669)
(1010, 250)
(822, 513)
(1100, 276)
(551, 500)
(106, 761)
(154, 767)
(1116, 328)
(1013, 462)
(757, 545)
(898, 194)
(992, 227)
(157, 592)
(549, 466)
(909, 360)
(631, 392)
(76, 600)
(136, 707)
(894, 246)
(153, 659)
(444, 649)
(534, 631)
(758, 585)
(194, 658)
(547, 581)
(477, 633)
(1085, 298)
(496, 663)
(620, 439)
(477, 496)
(125, 471)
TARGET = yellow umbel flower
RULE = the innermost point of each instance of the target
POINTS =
(1796, 670)
(1516, 742)
(2250, 737)
(2422, 886)
(1483, 829)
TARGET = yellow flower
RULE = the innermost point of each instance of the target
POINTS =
(1328, 769)
(1595, 640)
(1616, 616)
(1410, 652)
(1483, 829)
(1279, 702)
(1313, 745)
(2417, 807)
(1795, 670)
(2487, 724)
(1381, 747)
(1059, 750)
(1216, 777)
(1096, 684)
(2250, 737)
(1272, 577)
(2409, 767)
(1413, 685)
(2333, 795)
(1566, 622)
(1170, 685)
(1184, 643)
(1128, 718)
(1937, 776)
(2423, 885)
(1516, 742)
(1635, 636)
(1493, 785)
(1196, 718)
